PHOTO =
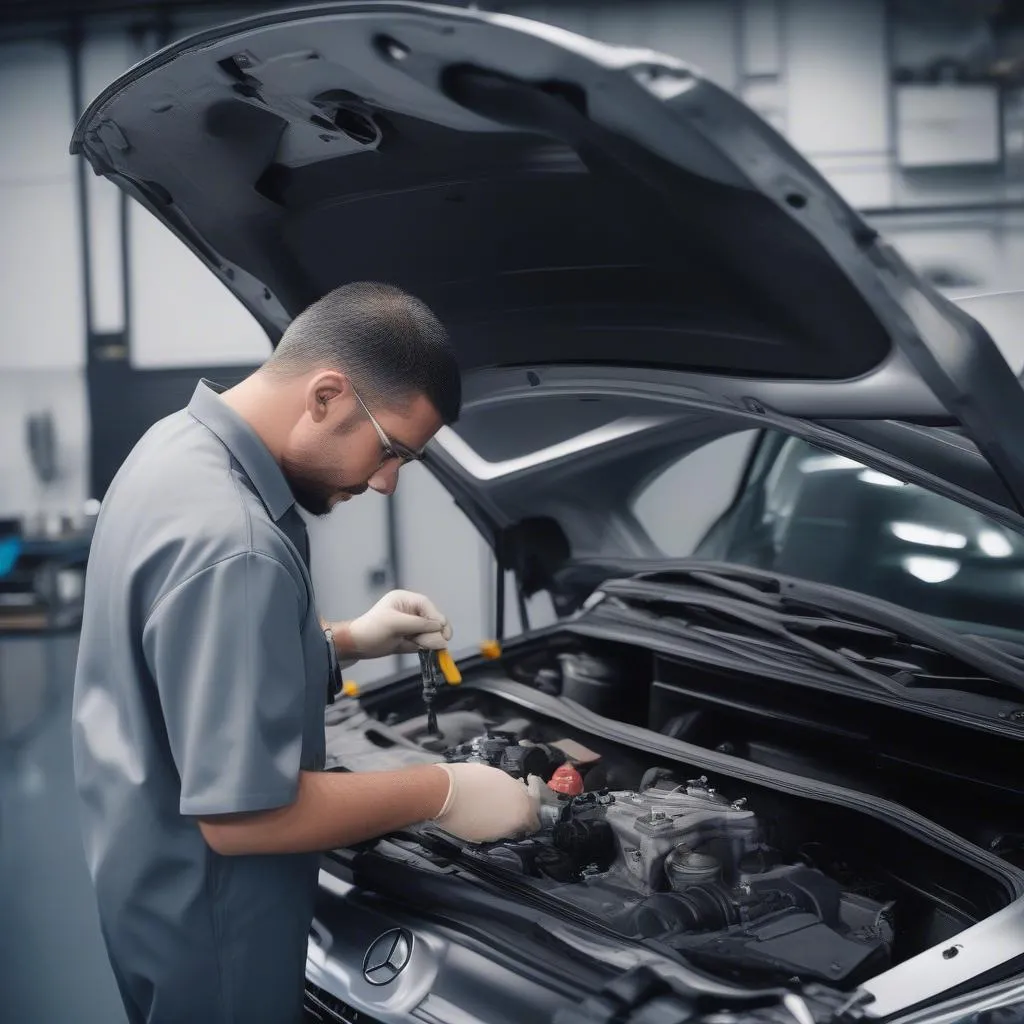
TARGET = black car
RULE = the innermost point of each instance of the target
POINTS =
(784, 772)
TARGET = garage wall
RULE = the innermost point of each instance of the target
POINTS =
(836, 71)
(104, 55)
(701, 31)
(965, 252)
(42, 353)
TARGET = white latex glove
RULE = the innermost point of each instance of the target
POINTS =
(486, 804)
(401, 622)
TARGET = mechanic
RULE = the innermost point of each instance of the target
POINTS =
(203, 670)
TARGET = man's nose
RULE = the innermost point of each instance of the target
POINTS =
(385, 480)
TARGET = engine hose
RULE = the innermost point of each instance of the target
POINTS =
(706, 908)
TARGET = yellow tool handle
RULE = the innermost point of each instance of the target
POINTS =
(450, 671)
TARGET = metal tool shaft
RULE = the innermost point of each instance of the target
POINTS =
(430, 674)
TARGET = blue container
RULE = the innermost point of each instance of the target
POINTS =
(10, 551)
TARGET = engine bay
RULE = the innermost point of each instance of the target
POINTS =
(659, 857)
(760, 839)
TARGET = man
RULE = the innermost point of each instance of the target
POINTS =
(204, 668)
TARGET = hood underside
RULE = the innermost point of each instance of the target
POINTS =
(579, 215)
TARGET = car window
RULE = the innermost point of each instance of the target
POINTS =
(810, 513)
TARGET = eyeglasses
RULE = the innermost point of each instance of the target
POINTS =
(389, 449)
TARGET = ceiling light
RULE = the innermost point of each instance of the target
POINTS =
(918, 533)
(931, 570)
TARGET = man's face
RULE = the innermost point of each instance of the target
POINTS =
(335, 451)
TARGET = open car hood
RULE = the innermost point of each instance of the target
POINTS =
(594, 224)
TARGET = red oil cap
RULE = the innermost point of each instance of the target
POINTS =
(567, 781)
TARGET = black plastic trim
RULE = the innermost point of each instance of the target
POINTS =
(642, 739)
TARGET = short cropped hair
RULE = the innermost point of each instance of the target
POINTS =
(388, 343)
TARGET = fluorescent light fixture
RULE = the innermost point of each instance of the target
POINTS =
(931, 570)
(872, 476)
(995, 544)
(918, 533)
(482, 469)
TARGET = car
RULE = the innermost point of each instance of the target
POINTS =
(783, 773)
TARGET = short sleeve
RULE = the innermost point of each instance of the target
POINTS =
(225, 650)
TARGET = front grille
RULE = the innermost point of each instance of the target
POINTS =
(320, 1007)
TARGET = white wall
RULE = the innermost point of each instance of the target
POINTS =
(836, 77)
(977, 252)
(181, 315)
(105, 55)
(699, 31)
(42, 339)
(441, 554)
(346, 547)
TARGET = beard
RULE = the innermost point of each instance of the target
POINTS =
(312, 501)
(312, 491)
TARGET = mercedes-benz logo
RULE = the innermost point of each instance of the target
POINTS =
(387, 956)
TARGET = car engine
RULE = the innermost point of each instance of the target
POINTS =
(680, 863)
(669, 861)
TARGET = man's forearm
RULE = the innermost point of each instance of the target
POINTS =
(333, 809)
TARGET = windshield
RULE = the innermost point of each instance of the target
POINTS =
(809, 513)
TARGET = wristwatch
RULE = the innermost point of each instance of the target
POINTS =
(334, 681)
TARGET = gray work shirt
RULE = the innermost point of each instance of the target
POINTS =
(201, 686)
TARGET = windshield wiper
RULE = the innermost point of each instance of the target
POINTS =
(762, 616)
(787, 645)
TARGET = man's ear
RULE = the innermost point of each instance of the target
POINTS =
(323, 388)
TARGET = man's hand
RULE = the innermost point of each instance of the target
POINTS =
(401, 622)
(485, 804)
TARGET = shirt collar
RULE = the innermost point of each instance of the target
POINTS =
(245, 446)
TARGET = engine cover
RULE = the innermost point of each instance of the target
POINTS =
(660, 830)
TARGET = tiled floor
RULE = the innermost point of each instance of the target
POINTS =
(53, 968)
